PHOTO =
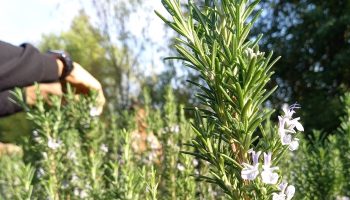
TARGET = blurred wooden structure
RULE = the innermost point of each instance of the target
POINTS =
(144, 142)
(7, 149)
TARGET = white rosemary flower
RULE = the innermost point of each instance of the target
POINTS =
(104, 148)
(175, 128)
(293, 143)
(172, 129)
(95, 112)
(250, 54)
(180, 167)
(83, 194)
(40, 173)
(152, 156)
(53, 144)
(36, 136)
(287, 126)
(289, 122)
(74, 178)
(76, 192)
(153, 142)
(250, 172)
(195, 162)
(268, 175)
(35, 133)
(196, 172)
(286, 193)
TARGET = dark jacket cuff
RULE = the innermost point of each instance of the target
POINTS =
(8, 107)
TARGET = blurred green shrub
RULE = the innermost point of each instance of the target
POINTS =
(73, 154)
(321, 167)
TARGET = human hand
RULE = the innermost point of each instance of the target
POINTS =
(45, 89)
(83, 82)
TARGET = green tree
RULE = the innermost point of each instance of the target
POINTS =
(82, 41)
(85, 43)
(313, 38)
(122, 48)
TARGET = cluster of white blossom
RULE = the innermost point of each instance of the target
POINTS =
(171, 129)
(287, 126)
(54, 144)
(268, 175)
(80, 193)
(250, 54)
(104, 148)
(95, 112)
(180, 167)
(286, 193)
(250, 172)
(40, 173)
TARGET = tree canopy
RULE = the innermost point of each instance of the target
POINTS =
(313, 38)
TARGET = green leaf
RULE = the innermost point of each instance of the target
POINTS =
(246, 109)
(250, 72)
(229, 159)
(250, 9)
(186, 54)
(239, 94)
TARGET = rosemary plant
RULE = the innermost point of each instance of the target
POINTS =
(228, 123)
(344, 144)
(174, 169)
(152, 184)
(15, 178)
(73, 154)
(126, 181)
(65, 148)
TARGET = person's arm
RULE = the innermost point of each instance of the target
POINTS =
(24, 65)
(8, 107)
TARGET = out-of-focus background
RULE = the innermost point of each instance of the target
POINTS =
(123, 44)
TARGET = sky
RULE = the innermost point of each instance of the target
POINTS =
(26, 20)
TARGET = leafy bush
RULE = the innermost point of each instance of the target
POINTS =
(320, 169)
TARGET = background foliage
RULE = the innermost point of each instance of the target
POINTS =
(313, 38)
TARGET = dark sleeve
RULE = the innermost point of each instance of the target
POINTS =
(24, 65)
(7, 107)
